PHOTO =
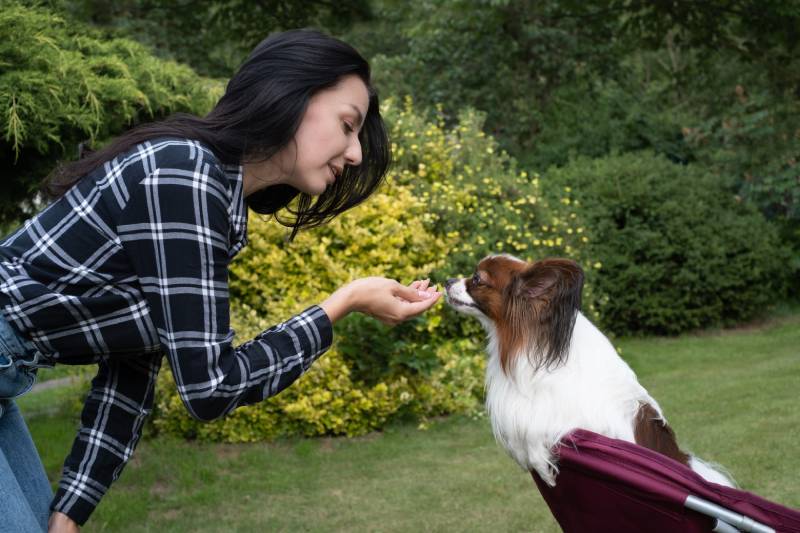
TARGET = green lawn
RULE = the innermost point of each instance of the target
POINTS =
(732, 397)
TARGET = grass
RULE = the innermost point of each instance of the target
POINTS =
(732, 397)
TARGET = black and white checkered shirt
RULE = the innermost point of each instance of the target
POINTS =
(132, 264)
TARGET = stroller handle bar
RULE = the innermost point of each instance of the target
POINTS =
(741, 522)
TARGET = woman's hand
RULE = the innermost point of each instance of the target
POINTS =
(381, 298)
(61, 523)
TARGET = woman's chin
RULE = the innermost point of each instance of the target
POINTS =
(314, 188)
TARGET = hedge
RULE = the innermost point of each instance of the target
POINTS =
(679, 251)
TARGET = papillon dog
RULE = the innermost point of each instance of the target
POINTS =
(550, 370)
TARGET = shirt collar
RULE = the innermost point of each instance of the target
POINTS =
(237, 210)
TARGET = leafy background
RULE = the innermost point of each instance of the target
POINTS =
(656, 143)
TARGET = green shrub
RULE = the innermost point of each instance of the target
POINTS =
(62, 83)
(678, 252)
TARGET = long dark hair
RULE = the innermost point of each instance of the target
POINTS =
(258, 115)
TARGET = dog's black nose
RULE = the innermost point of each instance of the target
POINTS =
(450, 282)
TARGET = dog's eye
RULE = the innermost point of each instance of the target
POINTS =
(476, 279)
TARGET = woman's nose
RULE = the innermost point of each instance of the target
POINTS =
(353, 153)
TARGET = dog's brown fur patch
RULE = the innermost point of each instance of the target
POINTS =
(541, 303)
(652, 432)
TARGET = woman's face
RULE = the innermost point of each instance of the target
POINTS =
(325, 141)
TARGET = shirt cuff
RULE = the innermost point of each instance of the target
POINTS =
(74, 505)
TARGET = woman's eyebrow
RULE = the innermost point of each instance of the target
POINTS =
(358, 115)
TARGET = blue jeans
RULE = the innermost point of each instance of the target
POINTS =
(25, 492)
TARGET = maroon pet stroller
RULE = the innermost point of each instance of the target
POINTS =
(611, 485)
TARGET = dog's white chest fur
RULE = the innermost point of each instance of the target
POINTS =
(531, 410)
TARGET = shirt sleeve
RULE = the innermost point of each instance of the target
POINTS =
(176, 231)
(120, 399)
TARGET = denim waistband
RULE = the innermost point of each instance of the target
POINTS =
(16, 348)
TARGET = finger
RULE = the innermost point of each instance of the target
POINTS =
(412, 309)
(411, 294)
(420, 284)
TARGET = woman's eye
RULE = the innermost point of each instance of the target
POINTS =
(348, 128)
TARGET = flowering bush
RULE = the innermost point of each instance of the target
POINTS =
(273, 279)
(451, 198)
(477, 196)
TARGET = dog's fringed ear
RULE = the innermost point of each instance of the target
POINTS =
(552, 291)
(539, 284)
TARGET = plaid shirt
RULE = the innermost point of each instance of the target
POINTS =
(132, 264)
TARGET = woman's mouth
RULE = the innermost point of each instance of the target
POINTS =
(335, 173)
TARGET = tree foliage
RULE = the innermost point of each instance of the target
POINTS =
(211, 36)
(503, 58)
(62, 84)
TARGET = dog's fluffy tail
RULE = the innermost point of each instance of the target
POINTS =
(711, 472)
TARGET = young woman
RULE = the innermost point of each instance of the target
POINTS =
(130, 263)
